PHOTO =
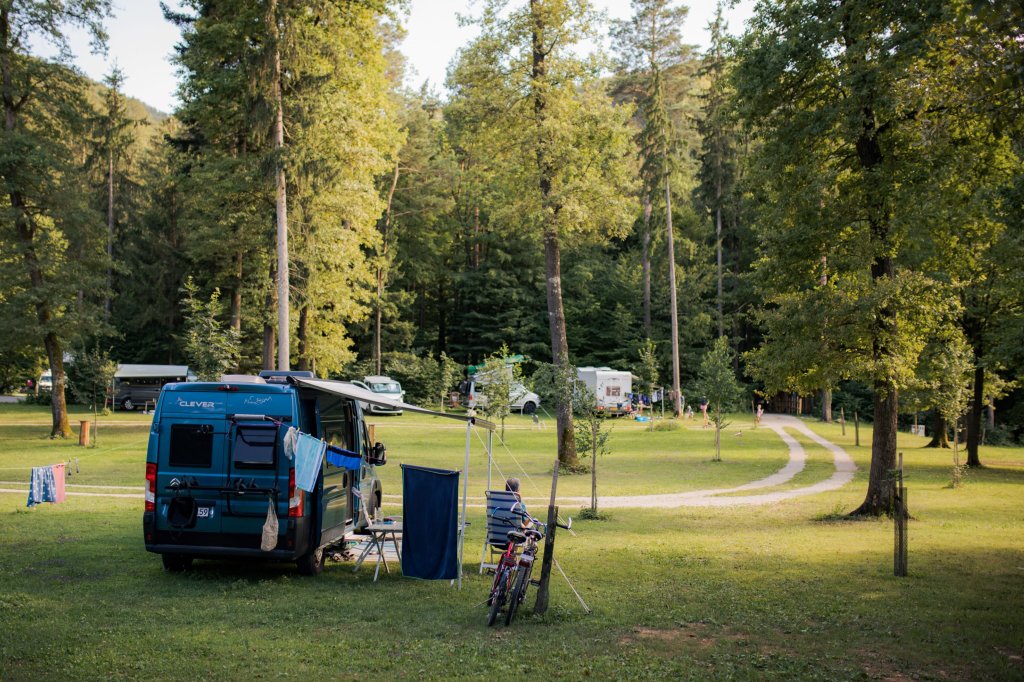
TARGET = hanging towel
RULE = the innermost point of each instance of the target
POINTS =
(58, 480)
(270, 528)
(41, 486)
(309, 455)
(345, 459)
(290, 438)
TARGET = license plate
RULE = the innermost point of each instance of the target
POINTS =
(204, 512)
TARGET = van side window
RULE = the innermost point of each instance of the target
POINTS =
(336, 420)
(255, 446)
(191, 445)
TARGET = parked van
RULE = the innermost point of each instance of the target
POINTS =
(137, 385)
(46, 381)
(612, 388)
(521, 399)
(216, 461)
(387, 388)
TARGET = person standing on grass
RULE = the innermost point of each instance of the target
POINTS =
(759, 414)
(704, 411)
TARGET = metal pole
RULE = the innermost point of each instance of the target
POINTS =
(490, 449)
(465, 491)
(856, 429)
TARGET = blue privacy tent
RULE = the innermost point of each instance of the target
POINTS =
(348, 390)
(430, 534)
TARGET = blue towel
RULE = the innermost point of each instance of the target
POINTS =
(343, 458)
(309, 456)
(42, 487)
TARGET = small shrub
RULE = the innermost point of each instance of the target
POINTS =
(836, 514)
(1000, 435)
(665, 425)
(588, 514)
(571, 470)
(41, 398)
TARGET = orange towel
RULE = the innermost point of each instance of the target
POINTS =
(58, 480)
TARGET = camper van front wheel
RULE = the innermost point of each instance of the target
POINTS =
(127, 405)
(529, 408)
(311, 563)
(176, 563)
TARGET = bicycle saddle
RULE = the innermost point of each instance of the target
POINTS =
(516, 537)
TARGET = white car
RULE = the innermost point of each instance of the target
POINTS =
(387, 387)
(46, 381)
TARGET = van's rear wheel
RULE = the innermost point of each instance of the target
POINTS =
(127, 405)
(176, 563)
(530, 408)
(311, 563)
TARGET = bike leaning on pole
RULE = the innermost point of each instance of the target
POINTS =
(512, 577)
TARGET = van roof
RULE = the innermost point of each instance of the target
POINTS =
(207, 386)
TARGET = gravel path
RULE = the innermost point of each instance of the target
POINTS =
(843, 474)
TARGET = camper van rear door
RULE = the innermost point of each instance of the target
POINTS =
(191, 455)
(253, 465)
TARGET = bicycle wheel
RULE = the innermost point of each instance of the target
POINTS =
(498, 596)
(518, 594)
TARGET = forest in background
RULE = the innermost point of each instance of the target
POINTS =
(840, 188)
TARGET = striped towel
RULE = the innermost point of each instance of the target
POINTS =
(42, 486)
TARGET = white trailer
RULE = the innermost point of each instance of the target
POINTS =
(611, 387)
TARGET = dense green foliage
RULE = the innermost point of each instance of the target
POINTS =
(844, 182)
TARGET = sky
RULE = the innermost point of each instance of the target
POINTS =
(141, 42)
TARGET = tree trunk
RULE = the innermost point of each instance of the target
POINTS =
(718, 254)
(61, 427)
(826, 405)
(110, 233)
(718, 433)
(974, 415)
(301, 334)
(645, 265)
(377, 318)
(269, 341)
(940, 435)
(385, 228)
(236, 294)
(883, 453)
(676, 404)
(595, 430)
(552, 254)
(283, 299)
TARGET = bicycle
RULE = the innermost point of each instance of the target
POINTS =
(505, 572)
(512, 577)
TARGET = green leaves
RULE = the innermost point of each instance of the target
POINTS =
(211, 348)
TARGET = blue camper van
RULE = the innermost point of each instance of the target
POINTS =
(216, 462)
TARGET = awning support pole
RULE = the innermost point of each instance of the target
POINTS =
(465, 492)
(490, 449)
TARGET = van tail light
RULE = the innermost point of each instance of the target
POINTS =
(150, 486)
(296, 496)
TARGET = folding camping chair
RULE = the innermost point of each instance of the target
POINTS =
(381, 532)
(499, 505)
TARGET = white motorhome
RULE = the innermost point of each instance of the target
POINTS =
(611, 387)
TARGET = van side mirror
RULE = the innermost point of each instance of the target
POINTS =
(378, 455)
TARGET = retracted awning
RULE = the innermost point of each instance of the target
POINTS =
(347, 390)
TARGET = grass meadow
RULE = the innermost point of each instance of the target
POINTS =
(784, 591)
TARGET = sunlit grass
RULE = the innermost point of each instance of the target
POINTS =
(749, 593)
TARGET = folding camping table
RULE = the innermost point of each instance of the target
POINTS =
(380, 534)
